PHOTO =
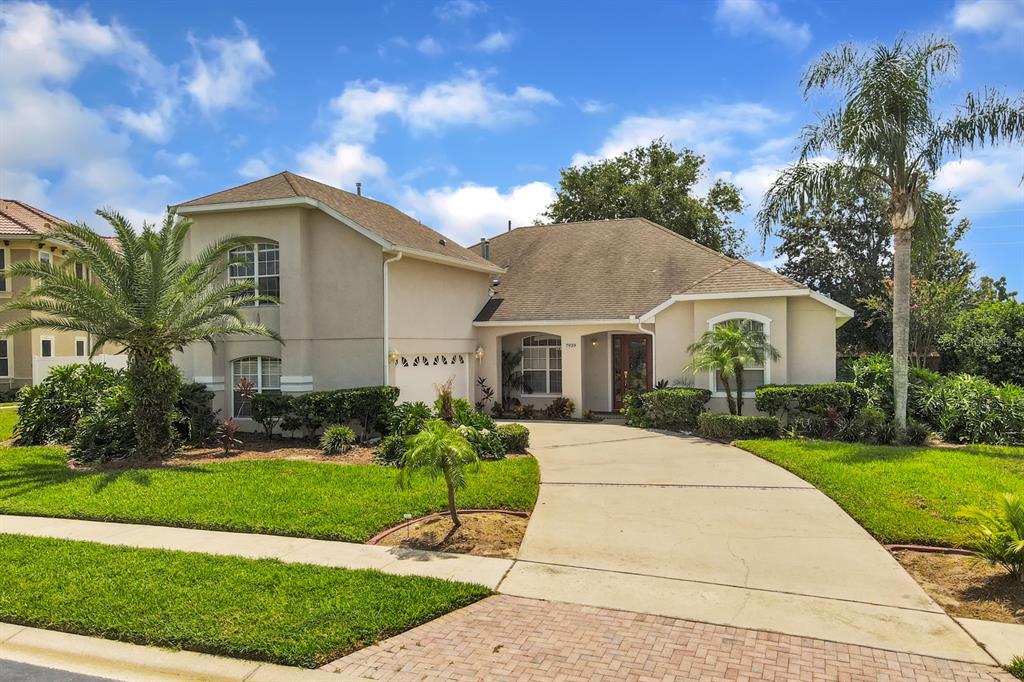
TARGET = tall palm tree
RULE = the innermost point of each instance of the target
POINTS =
(143, 295)
(884, 131)
(725, 350)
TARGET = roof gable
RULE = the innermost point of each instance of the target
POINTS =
(383, 220)
(19, 218)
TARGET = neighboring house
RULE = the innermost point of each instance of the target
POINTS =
(27, 357)
(369, 295)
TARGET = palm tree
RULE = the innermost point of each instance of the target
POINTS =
(439, 450)
(143, 295)
(885, 132)
(725, 350)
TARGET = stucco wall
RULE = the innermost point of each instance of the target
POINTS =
(811, 342)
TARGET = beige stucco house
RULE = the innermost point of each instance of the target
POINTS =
(369, 295)
(27, 357)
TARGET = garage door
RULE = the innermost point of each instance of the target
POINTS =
(418, 376)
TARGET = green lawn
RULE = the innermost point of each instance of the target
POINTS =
(8, 420)
(292, 614)
(902, 494)
(311, 499)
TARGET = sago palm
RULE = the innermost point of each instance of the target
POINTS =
(142, 295)
(439, 450)
(725, 350)
(885, 131)
(999, 536)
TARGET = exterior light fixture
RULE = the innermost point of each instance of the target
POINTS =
(393, 355)
(479, 353)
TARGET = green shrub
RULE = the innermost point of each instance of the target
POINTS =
(729, 427)
(988, 341)
(195, 419)
(312, 411)
(800, 400)
(290, 423)
(1016, 667)
(866, 427)
(481, 431)
(971, 409)
(408, 418)
(268, 409)
(873, 374)
(999, 535)
(390, 450)
(515, 437)
(524, 411)
(560, 408)
(674, 409)
(106, 433)
(337, 438)
(371, 406)
(914, 433)
(50, 410)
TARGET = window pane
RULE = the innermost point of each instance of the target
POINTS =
(556, 382)
(79, 348)
(752, 378)
(555, 358)
(47, 348)
(3, 367)
(246, 269)
(535, 382)
(3, 348)
(271, 374)
(270, 286)
(269, 259)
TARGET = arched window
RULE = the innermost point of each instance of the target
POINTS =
(265, 375)
(261, 265)
(542, 364)
(754, 375)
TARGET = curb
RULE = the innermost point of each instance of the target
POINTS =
(138, 663)
(440, 515)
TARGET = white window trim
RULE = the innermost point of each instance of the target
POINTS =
(255, 246)
(85, 346)
(259, 380)
(9, 284)
(757, 317)
(10, 357)
(547, 369)
(53, 346)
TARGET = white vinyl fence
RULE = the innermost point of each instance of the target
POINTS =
(41, 366)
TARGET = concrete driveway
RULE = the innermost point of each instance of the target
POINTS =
(681, 527)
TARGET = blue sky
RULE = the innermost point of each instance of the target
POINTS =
(460, 112)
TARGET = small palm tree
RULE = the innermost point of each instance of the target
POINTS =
(143, 295)
(999, 536)
(886, 133)
(439, 450)
(725, 350)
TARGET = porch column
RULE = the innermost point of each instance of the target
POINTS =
(572, 370)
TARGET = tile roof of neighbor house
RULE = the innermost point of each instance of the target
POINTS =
(19, 218)
(609, 269)
(384, 220)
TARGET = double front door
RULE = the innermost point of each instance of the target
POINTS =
(632, 366)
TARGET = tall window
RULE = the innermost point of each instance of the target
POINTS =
(542, 364)
(261, 265)
(3, 266)
(80, 270)
(80, 346)
(754, 374)
(4, 359)
(263, 372)
(46, 346)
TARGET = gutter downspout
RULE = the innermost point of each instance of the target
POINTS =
(654, 347)
(387, 316)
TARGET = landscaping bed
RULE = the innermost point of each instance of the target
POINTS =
(483, 533)
(910, 495)
(282, 497)
(291, 614)
(966, 587)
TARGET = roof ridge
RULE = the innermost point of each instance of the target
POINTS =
(287, 175)
(244, 184)
(710, 275)
(773, 272)
(16, 220)
(693, 242)
(49, 217)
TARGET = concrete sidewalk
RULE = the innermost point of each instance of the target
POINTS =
(395, 560)
(685, 528)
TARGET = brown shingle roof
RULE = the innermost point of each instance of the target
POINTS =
(384, 220)
(19, 218)
(609, 269)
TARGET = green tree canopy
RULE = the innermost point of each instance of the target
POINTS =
(654, 182)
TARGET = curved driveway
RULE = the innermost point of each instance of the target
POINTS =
(685, 528)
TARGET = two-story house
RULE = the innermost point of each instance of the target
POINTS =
(369, 295)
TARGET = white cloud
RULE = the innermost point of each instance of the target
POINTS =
(341, 164)
(227, 73)
(988, 179)
(710, 131)
(459, 9)
(467, 100)
(1002, 18)
(761, 17)
(183, 160)
(254, 168)
(24, 186)
(157, 124)
(497, 41)
(593, 106)
(429, 46)
(471, 211)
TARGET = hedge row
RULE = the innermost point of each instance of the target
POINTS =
(370, 406)
(788, 401)
(729, 427)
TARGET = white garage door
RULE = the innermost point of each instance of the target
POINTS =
(418, 376)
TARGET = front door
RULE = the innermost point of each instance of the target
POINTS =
(632, 366)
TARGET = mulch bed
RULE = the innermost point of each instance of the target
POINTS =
(253, 447)
(490, 534)
(965, 586)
